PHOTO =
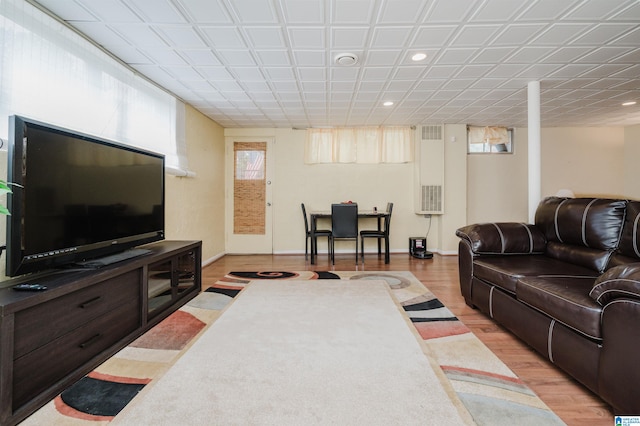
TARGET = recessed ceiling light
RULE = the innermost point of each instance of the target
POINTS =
(388, 103)
(419, 57)
(629, 103)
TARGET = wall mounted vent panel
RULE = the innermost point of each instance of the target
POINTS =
(429, 170)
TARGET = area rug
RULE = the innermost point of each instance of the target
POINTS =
(300, 352)
(488, 391)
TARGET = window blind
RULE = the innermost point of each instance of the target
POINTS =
(50, 73)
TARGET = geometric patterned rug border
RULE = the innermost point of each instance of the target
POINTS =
(489, 391)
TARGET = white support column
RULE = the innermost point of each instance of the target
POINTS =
(534, 147)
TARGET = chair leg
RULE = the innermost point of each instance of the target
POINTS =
(362, 248)
(356, 250)
(306, 248)
(386, 250)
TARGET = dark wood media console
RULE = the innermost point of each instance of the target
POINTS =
(50, 339)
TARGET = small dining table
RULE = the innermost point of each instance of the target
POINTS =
(362, 214)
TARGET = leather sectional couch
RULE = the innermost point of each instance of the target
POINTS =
(569, 286)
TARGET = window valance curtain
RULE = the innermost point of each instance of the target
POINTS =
(489, 134)
(363, 145)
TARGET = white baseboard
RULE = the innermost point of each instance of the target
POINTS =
(209, 261)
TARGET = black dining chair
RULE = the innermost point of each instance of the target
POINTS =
(314, 238)
(344, 225)
(378, 234)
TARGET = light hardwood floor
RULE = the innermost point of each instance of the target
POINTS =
(571, 401)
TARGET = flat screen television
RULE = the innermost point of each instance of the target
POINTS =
(79, 197)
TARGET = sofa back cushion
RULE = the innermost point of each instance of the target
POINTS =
(583, 231)
(629, 248)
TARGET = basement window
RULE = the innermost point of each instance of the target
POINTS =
(489, 140)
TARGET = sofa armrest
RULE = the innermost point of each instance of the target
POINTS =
(503, 238)
(621, 281)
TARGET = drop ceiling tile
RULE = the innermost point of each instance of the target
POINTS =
(159, 11)
(208, 12)
(400, 11)
(111, 10)
(265, 37)
(130, 55)
(371, 86)
(603, 55)
(351, 11)
(164, 56)
(304, 11)
(474, 35)
(182, 36)
(505, 70)
(183, 73)
(539, 71)
(349, 37)
(493, 55)
(251, 11)
(236, 57)
(69, 10)
(631, 39)
(529, 55)
(567, 55)
(310, 58)
(433, 36)
(199, 57)
(388, 37)
(381, 57)
(408, 72)
(215, 73)
(603, 33)
(449, 10)
(344, 74)
(517, 34)
(593, 9)
(279, 73)
(557, 34)
(273, 58)
(455, 56)
(312, 73)
(223, 37)
(497, 10)
(307, 37)
(473, 71)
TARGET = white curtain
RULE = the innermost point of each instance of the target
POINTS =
(363, 145)
(50, 73)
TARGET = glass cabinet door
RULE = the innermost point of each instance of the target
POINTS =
(186, 272)
(159, 285)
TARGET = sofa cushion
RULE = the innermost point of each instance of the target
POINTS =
(584, 231)
(565, 299)
(505, 271)
(629, 247)
(619, 282)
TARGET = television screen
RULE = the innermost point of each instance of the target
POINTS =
(79, 197)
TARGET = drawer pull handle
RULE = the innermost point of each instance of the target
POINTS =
(90, 302)
(91, 341)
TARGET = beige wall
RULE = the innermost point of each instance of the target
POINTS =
(322, 184)
(195, 206)
(631, 155)
(586, 160)
(497, 184)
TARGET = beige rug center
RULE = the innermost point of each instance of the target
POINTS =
(301, 352)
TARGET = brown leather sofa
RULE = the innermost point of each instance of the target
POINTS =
(569, 286)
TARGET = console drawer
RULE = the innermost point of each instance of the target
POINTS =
(36, 371)
(40, 324)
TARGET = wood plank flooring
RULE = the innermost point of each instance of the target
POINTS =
(568, 399)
